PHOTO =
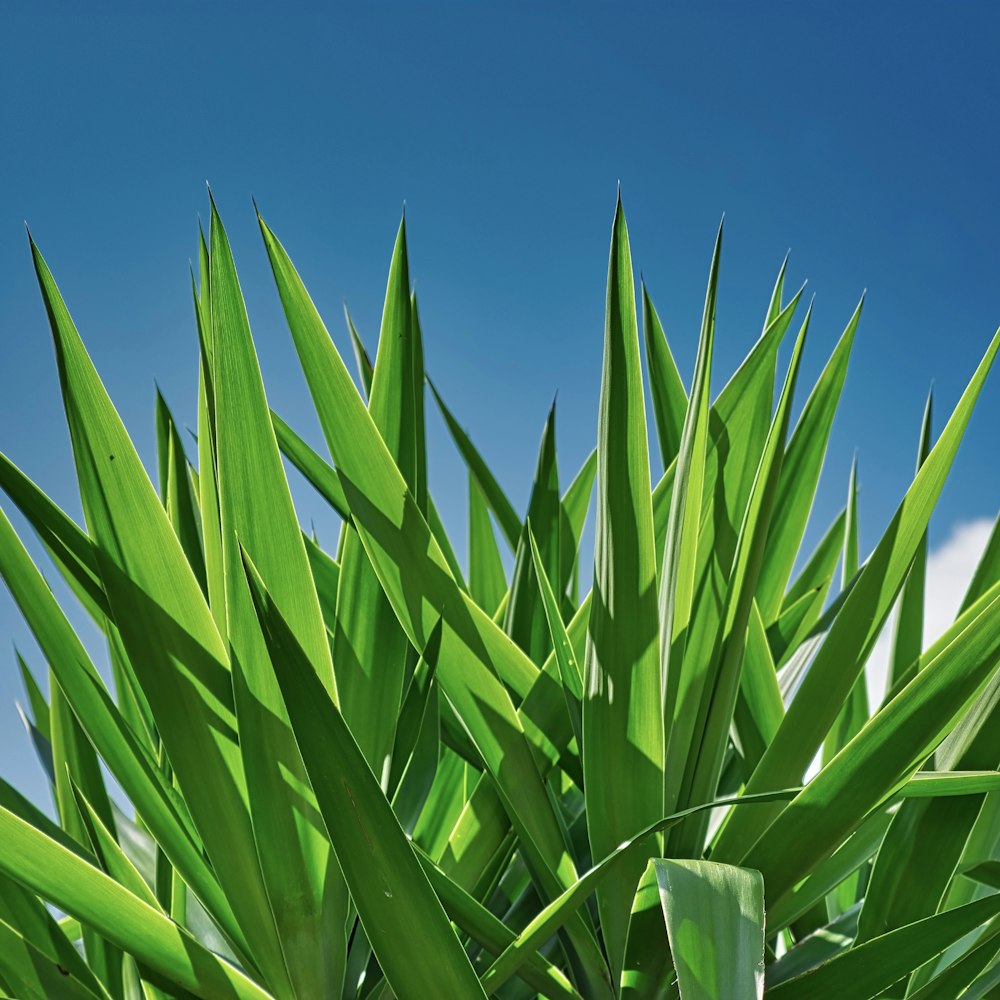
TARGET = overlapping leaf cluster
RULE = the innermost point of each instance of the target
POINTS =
(369, 772)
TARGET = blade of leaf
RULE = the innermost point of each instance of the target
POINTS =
(408, 929)
(322, 477)
(487, 581)
(622, 726)
(551, 918)
(166, 627)
(39, 706)
(575, 503)
(69, 546)
(800, 470)
(299, 872)
(887, 751)
(908, 634)
(85, 892)
(370, 648)
(569, 668)
(525, 620)
(715, 923)
(415, 577)
(503, 510)
(177, 491)
(845, 649)
(677, 576)
(365, 367)
(868, 969)
(712, 737)
(111, 736)
(666, 389)
(854, 712)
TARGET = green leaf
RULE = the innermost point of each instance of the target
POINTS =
(110, 735)
(800, 470)
(721, 684)
(759, 708)
(830, 873)
(525, 620)
(986, 873)
(111, 858)
(487, 582)
(569, 667)
(366, 369)
(419, 707)
(677, 577)
(812, 950)
(925, 843)
(868, 969)
(321, 476)
(74, 760)
(507, 520)
(369, 646)
(208, 491)
(166, 628)
(296, 862)
(553, 916)
(842, 655)
(177, 492)
(68, 545)
(648, 971)
(670, 401)
(414, 574)
(739, 424)
(887, 751)
(908, 633)
(405, 923)
(943, 784)
(988, 570)
(575, 503)
(326, 576)
(84, 892)
(33, 975)
(956, 977)
(817, 574)
(715, 923)
(622, 725)
(36, 944)
(854, 713)
(39, 706)
(473, 918)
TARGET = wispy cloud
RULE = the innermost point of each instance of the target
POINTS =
(949, 570)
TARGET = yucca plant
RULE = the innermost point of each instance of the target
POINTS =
(370, 772)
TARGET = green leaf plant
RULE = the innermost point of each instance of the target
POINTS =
(369, 770)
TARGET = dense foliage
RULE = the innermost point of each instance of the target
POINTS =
(372, 772)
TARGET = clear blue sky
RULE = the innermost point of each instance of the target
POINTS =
(864, 137)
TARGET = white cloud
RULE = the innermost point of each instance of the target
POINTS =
(949, 571)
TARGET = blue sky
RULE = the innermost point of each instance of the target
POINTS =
(862, 136)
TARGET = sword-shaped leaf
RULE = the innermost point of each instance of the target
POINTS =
(299, 872)
(868, 969)
(853, 632)
(487, 581)
(166, 628)
(622, 724)
(715, 923)
(415, 577)
(525, 620)
(908, 634)
(666, 389)
(503, 510)
(800, 471)
(405, 923)
(85, 892)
